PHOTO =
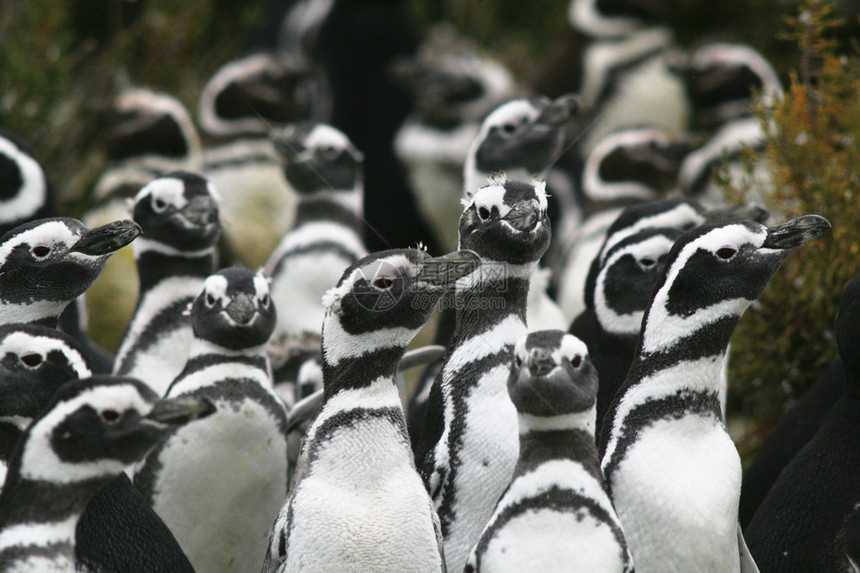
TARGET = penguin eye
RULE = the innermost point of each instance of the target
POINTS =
(31, 360)
(41, 251)
(110, 416)
(265, 301)
(509, 128)
(483, 213)
(159, 204)
(383, 283)
(647, 263)
(518, 362)
(726, 253)
(576, 361)
(210, 300)
(329, 152)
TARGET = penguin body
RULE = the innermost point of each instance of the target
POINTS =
(88, 433)
(219, 485)
(359, 503)
(556, 514)
(180, 219)
(673, 471)
(818, 488)
(468, 448)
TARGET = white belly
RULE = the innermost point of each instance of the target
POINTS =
(676, 493)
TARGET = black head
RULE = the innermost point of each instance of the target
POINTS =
(716, 271)
(390, 293)
(54, 261)
(552, 375)
(848, 336)
(34, 362)
(249, 95)
(95, 427)
(178, 211)
(234, 310)
(507, 221)
(318, 157)
(142, 123)
(24, 190)
(524, 134)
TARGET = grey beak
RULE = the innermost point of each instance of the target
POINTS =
(242, 309)
(540, 362)
(792, 234)
(180, 410)
(445, 270)
(524, 216)
(560, 111)
(107, 239)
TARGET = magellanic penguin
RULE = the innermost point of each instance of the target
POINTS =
(453, 86)
(179, 217)
(556, 514)
(47, 263)
(468, 447)
(25, 193)
(239, 106)
(86, 436)
(798, 525)
(359, 503)
(219, 484)
(672, 469)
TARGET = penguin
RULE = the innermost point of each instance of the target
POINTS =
(47, 263)
(673, 471)
(219, 484)
(90, 431)
(798, 525)
(180, 220)
(453, 86)
(556, 514)
(625, 168)
(359, 503)
(25, 193)
(468, 446)
(242, 103)
(325, 170)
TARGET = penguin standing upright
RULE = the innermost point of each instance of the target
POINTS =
(359, 503)
(219, 484)
(468, 447)
(86, 436)
(673, 471)
(556, 514)
(179, 217)
(798, 525)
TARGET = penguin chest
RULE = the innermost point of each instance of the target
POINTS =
(362, 505)
(677, 492)
(221, 483)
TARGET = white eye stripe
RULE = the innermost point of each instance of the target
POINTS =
(22, 343)
(216, 287)
(167, 190)
(326, 136)
(491, 197)
(50, 234)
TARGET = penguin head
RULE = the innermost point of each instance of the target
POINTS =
(616, 18)
(96, 426)
(390, 292)
(622, 288)
(249, 95)
(507, 221)
(24, 190)
(714, 272)
(234, 310)
(527, 134)
(633, 164)
(848, 337)
(35, 361)
(552, 375)
(142, 122)
(318, 158)
(178, 211)
(55, 260)
(722, 81)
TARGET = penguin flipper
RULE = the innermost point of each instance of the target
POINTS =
(748, 564)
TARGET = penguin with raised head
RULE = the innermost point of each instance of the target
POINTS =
(219, 484)
(556, 514)
(798, 525)
(468, 447)
(91, 430)
(180, 220)
(25, 193)
(359, 503)
(673, 471)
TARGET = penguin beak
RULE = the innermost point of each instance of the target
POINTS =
(241, 309)
(201, 211)
(560, 111)
(540, 362)
(444, 271)
(107, 239)
(524, 216)
(180, 410)
(796, 232)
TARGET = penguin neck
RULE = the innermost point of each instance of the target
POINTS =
(156, 261)
(201, 347)
(11, 430)
(343, 208)
(492, 293)
(352, 362)
(568, 436)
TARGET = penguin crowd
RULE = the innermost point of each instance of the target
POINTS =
(571, 415)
